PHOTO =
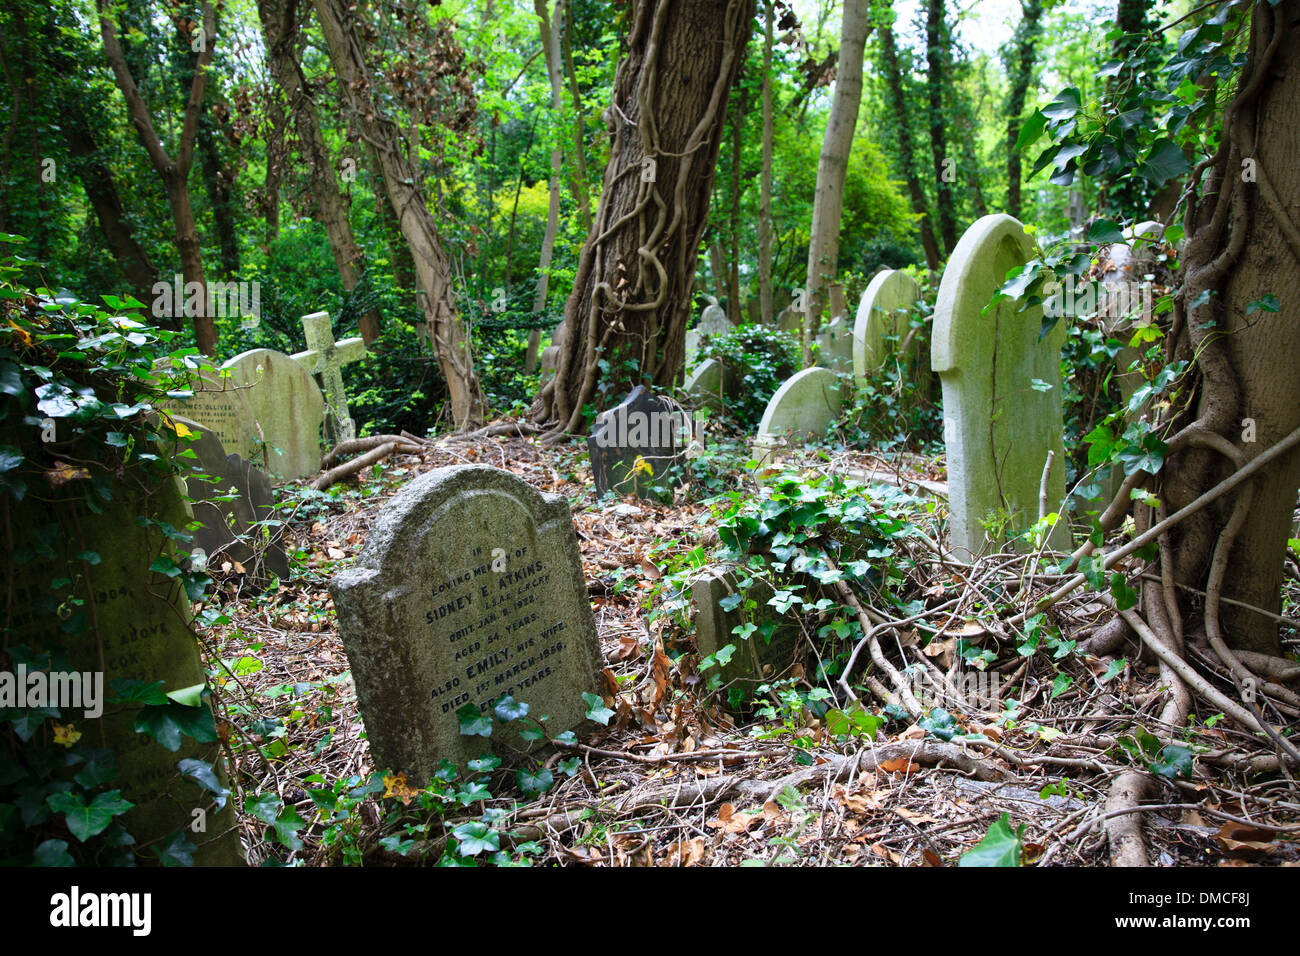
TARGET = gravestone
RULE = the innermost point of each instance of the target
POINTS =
(884, 312)
(835, 341)
(326, 358)
(633, 444)
(287, 407)
(692, 348)
(803, 407)
(133, 625)
(469, 587)
(1001, 391)
(705, 384)
(768, 652)
(790, 319)
(228, 495)
(222, 406)
(713, 322)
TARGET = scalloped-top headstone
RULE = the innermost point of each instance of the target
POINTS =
(469, 588)
(1001, 391)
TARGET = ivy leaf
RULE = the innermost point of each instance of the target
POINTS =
(1174, 762)
(473, 723)
(1104, 230)
(88, 820)
(940, 723)
(476, 837)
(178, 851)
(1065, 106)
(1114, 669)
(167, 723)
(508, 709)
(1031, 129)
(53, 853)
(1164, 162)
(535, 783)
(206, 778)
(1000, 846)
(596, 709)
(100, 767)
(484, 764)
(1125, 596)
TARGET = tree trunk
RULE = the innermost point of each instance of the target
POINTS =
(551, 47)
(280, 25)
(936, 37)
(906, 151)
(828, 203)
(733, 270)
(579, 179)
(1244, 244)
(101, 191)
(632, 293)
(219, 187)
(765, 186)
(174, 173)
(447, 332)
(1021, 69)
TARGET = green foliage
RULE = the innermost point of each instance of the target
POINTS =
(760, 358)
(1000, 846)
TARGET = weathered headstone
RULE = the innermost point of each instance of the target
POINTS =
(767, 652)
(705, 384)
(221, 405)
(469, 588)
(692, 348)
(326, 358)
(132, 625)
(633, 444)
(1001, 392)
(803, 407)
(713, 322)
(287, 407)
(789, 319)
(884, 313)
(835, 341)
(229, 496)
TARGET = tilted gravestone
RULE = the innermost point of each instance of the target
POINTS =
(469, 588)
(633, 444)
(767, 652)
(229, 496)
(705, 385)
(326, 358)
(133, 625)
(287, 407)
(803, 407)
(884, 314)
(713, 322)
(1001, 392)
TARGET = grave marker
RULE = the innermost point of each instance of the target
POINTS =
(771, 648)
(222, 406)
(326, 358)
(835, 342)
(469, 587)
(133, 624)
(705, 384)
(803, 407)
(1001, 391)
(879, 317)
(287, 407)
(634, 443)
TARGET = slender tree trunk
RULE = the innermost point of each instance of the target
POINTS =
(733, 272)
(551, 47)
(828, 204)
(220, 189)
(906, 150)
(1021, 69)
(447, 333)
(936, 38)
(174, 173)
(765, 183)
(632, 293)
(281, 27)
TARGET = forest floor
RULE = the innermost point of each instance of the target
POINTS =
(675, 778)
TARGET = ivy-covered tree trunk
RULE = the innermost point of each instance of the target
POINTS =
(765, 184)
(1240, 263)
(625, 322)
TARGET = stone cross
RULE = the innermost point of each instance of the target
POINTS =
(325, 357)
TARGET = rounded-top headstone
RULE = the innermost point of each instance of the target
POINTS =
(288, 408)
(705, 383)
(805, 405)
(469, 588)
(878, 317)
(1001, 390)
